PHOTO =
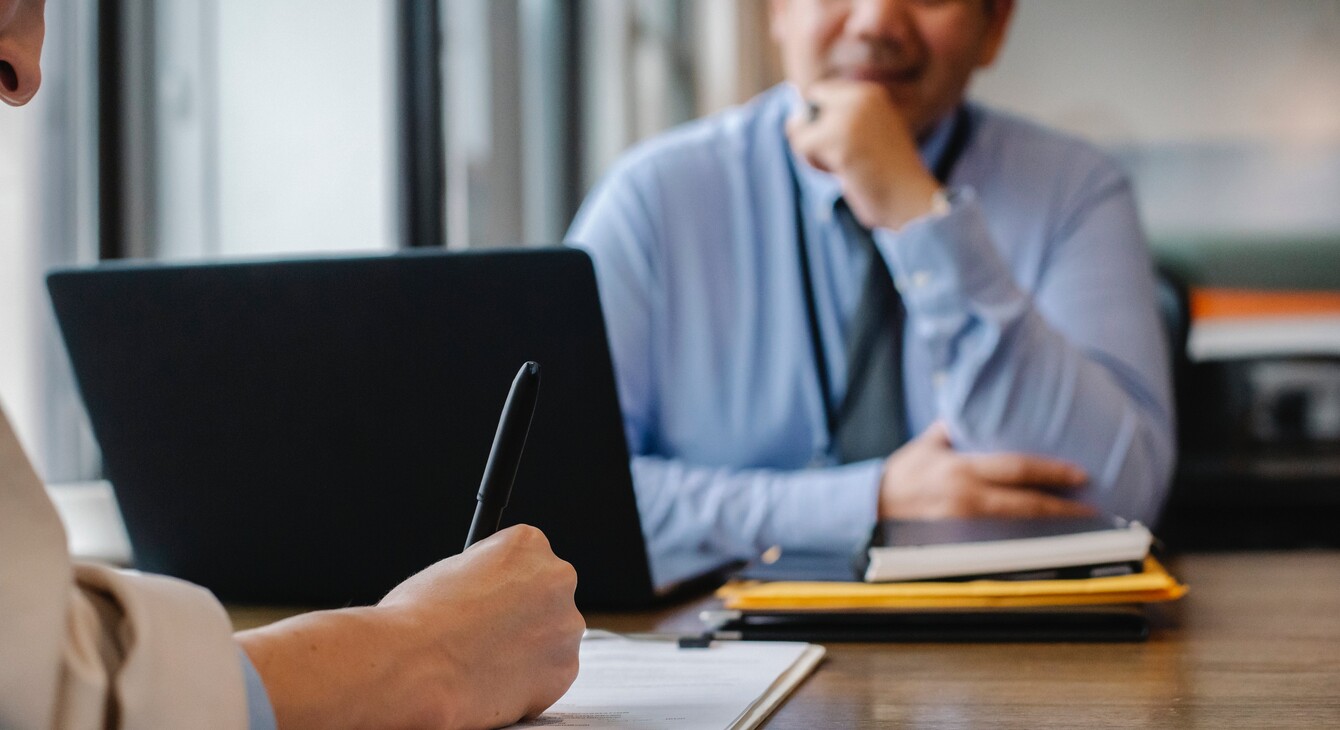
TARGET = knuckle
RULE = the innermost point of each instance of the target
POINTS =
(1078, 509)
(1014, 468)
(565, 675)
(570, 670)
(532, 539)
(1054, 506)
(528, 533)
(577, 623)
(1058, 509)
(959, 473)
(567, 575)
(963, 501)
(510, 537)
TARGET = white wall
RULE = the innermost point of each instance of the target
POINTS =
(1175, 70)
(1226, 111)
(19, 276)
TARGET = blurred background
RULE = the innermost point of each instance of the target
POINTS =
(187, 129)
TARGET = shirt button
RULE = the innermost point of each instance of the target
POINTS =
(920, 279)
(939, 378)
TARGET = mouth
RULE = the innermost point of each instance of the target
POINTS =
(891, 77)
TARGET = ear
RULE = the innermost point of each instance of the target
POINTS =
(999, 14)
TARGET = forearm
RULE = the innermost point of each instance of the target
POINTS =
(346, 669)
(738, 513)
(1036, 393)
(1086, 383)
(478, 640)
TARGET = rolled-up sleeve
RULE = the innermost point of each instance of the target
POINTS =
(1077, 369)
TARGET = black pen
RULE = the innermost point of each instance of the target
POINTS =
(505, 456)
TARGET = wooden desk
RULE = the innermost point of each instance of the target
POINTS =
(1255, 644)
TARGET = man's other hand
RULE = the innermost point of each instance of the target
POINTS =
(856, 133)
(926, 479)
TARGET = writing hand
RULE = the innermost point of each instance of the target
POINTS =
(481, 639)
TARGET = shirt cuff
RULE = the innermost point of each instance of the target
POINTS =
(947, 265)
(260, 713)
(833, 509)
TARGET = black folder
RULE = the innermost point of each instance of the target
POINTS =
(1125, 623)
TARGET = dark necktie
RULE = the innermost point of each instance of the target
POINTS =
(870, 423)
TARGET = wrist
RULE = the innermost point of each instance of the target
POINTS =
(886, 505)
(914, 199)
(419, 681)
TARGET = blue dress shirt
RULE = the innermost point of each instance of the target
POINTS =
(1031, 326)
(260, 714)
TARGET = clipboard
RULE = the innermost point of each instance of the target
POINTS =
(627, 683)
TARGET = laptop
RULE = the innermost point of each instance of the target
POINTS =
(312, 432)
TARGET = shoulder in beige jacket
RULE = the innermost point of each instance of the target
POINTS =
(85, 646)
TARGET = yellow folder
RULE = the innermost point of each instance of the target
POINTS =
(1154, 585)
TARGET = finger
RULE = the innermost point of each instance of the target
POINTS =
(805, 133)
(1026, 470)
(812, 109)
(799, 132)
(825, 92)
(995, 501)
(808, 142)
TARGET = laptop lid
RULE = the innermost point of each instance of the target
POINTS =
(314, 431)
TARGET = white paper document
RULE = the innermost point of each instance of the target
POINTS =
(639, 684)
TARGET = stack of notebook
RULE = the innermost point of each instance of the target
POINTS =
(961, 580)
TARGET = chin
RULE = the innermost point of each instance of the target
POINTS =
(910, 106)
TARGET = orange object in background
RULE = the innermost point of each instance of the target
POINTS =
(1219, 303)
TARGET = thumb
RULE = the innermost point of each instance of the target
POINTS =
(937, 434)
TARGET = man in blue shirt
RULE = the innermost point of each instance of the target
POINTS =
(738, 257)
(480, 639)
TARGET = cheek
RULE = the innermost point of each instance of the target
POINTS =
(954, 42)
(822, 28)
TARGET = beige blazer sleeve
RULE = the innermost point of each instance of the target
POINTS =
(85, 646)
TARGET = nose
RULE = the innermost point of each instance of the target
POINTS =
(21, 35)
(19, 77)
(881, 19)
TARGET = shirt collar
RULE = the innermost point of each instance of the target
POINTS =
(822, 190)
